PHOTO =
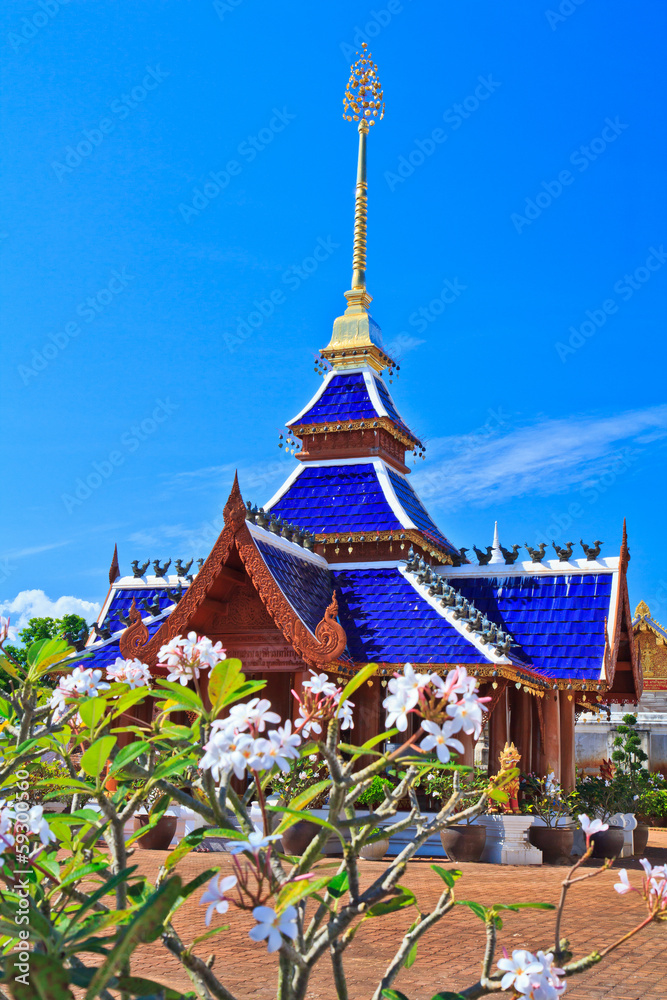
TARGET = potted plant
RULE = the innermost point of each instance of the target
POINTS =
(303, 775)
(602, 796)
(652, 803)
(465, 841)
(159, 836)
(630, 760)
(373, 796)
(545, 798)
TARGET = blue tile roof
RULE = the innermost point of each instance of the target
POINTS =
(345, 398)
(104, 655)
(306, 585)
(417, 512)
(122, 601)
(332, 498)
(388, 404)
(558, 620)
(387, 620)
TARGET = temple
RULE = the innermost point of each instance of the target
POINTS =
(344, 566)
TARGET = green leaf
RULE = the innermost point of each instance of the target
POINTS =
(223, 680)
(295, 891)
(412, 955)
(43, 653)
(446, 995)
(497, 795)
(141, 987)
(125, 755)
(405, 898)
(523, 906)
(9, 668)
(47, 980)
(448, 876)
(128, 701)
(299, 801)
(180, 694)
(394, 995)
(207, 935)
(92, 710)
(356, 682)
(295, 815)
(378, 739)
(96, 756)
(338, 885)
(477, 908)
(173, 765)
(144, 928)
(184, 846)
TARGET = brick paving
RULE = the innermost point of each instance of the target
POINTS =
(448, 957)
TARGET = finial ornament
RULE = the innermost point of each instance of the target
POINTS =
(363, 99)
(356, 338)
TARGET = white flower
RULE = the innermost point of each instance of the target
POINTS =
(278, 748)
(87, 682)
(518, 970)
(398, 705)
(227, 751)
(187, 657)
(440, 738)
(7, 817)
(660, 871)
(624, 885)
(132, 672)
(410, 684)
(215, 895)
(320, 684)
(252, 713)
(345, 715)
(591, 826)
(254, 844)
(7, 632)
(547, 985)
(466, 715)
(312, 726)
(272, 926)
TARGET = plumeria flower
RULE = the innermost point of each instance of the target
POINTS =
(591, 826)
(7, 817)
(312, 726)
(215, 895)
(278, 748)
(345, 715)
(466, 715)
(87, 682)
(132, 672)
(440, 738)
(37, 825)
(254, 844)
(624, 885)
(398, 705)
(660, 871)
(271, 926)
(409, 683)
(320, 684)
(6, 631)
(187, 657)
(254, 713)
(519, 969)
(548, 985)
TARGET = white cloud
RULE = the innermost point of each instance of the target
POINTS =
(542, 459)
(35, 604)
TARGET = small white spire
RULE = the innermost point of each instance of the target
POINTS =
(497, 556)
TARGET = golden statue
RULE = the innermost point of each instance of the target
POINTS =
(509, 760)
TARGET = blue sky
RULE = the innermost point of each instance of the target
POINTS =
(169, 165)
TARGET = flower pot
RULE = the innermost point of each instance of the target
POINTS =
(555, 842)
(375, 851)
(463, 843)
(608, 843)
(160, 836)
(640, 838)
(299, 836)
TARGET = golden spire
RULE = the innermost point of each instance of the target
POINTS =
(356, 339)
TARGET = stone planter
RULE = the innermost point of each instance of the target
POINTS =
(299, 836)
(375, 851)
(608, 843)
(507, 840)
(628, 822)
(463, 843)
(641, 832)
(160, 837)
(556, 842)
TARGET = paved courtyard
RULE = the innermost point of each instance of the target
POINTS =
(449, 957)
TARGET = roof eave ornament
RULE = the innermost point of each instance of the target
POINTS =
(356, 339)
